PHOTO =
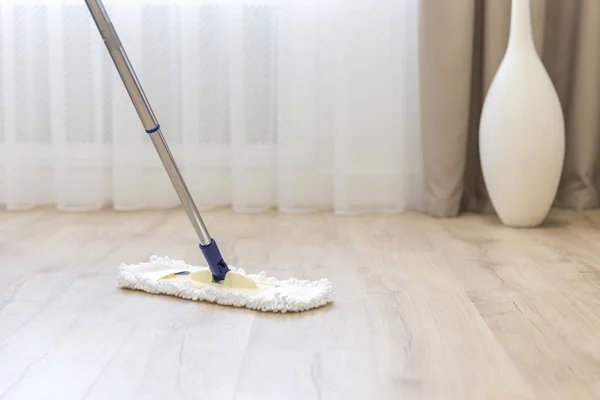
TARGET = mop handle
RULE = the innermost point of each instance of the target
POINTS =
(144, 111)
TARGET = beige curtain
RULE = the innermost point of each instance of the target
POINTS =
(461, 45)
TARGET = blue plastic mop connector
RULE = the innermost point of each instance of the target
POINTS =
(215, 261)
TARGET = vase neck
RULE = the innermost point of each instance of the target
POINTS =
(521, 35)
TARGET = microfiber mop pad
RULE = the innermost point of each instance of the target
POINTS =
(162, 275)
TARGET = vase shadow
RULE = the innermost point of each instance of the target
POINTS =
(551, 222)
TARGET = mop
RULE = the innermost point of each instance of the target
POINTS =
(218, 282)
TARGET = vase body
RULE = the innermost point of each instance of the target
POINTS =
(521, 132)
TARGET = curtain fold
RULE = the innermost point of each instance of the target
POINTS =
(461, 47)
(297, 105)
(445, 40)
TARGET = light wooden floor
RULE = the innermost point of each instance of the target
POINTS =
(427, 309)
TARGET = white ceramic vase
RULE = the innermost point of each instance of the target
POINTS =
(522, 134)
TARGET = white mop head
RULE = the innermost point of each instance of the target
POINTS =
(162, 275)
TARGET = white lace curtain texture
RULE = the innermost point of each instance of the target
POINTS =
(297, 105)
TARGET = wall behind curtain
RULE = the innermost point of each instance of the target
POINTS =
(292, 104)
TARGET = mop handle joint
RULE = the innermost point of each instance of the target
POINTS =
(212, 254)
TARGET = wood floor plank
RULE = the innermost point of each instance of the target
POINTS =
(529, 291)
(326, 353)
(429, 339)
(426, 309)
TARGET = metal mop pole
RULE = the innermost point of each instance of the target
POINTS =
(208, 246)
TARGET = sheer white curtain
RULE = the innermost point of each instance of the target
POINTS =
(297, 105)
